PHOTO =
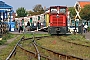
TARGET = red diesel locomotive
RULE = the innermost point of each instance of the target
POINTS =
(58, 20)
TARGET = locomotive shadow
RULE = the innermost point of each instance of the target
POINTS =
(61, 34)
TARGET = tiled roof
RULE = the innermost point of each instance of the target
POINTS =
(4, 6)
(83, 3)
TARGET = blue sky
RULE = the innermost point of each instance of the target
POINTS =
(29, 4)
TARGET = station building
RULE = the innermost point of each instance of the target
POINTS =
(6, 12)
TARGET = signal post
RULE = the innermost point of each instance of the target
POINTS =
(77, 9)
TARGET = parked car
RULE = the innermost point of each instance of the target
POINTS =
(72, 28)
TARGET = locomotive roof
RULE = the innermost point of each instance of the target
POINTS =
(58, 6)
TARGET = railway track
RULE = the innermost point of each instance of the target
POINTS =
(72, 42)
(37, 52)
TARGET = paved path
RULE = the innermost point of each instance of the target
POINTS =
(36, 32)
(87, 35)
(8, 42)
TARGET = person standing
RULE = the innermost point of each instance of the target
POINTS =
(28, 26)
(38, 25)
(85, 27)
(20, 26)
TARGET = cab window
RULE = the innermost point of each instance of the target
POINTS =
(62, 10)
(53, 10)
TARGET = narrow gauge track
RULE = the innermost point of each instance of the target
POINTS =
(37, 52)
(73, 42)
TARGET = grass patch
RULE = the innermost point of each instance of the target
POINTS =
(58, 45)
(79, 39)
(6, 51)
(6, 37)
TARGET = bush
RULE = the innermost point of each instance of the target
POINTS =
(88, 29)
(2, 42)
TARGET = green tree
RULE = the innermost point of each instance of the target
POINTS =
(72, 12)
(30, 13)
(21, 12)
(38, 9)
(85, 12)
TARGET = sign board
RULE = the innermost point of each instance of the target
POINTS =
(77, 9)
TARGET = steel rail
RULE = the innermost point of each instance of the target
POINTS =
(61, 54)
(33, 53)
(34, 43)
(19, 46)
(38, 54)
(14, 49)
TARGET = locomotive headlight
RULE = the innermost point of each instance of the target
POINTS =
(57, 16)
